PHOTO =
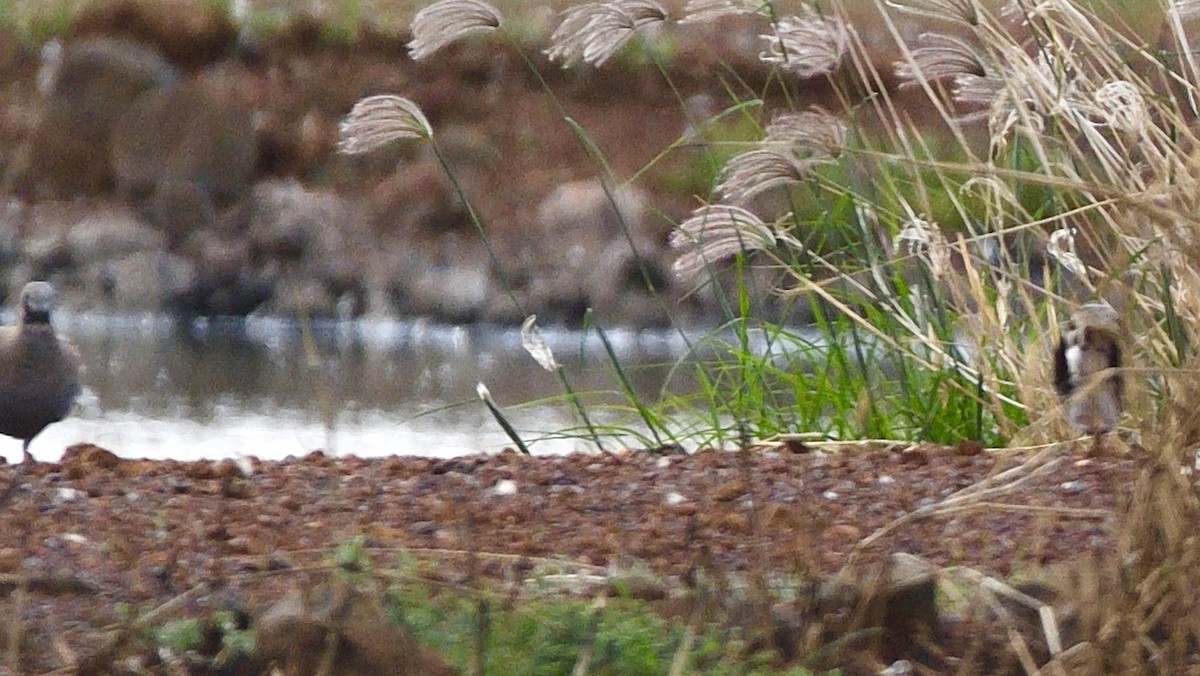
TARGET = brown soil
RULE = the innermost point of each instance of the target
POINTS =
(145, 532)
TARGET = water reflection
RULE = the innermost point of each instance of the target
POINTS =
(159, 388)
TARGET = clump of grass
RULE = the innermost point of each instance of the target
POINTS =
(550, 636)
(224, 635)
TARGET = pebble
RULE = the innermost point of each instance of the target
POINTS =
(10, 560)
(899, 668)
(505, 487)
(245, 465)
(1073, 487)
(64, 495)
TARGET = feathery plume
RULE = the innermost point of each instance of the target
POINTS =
(1122, 106)
(1066, 16)
(808, 46)
(378, 120)
(954, 11)
(974, 89)
(923, 238)
(795, 144)
(715, 232)
(816, 128)
(594, 32)
(1029, 89)
(1039, 82)
(706, 11)
(756, 171)
(1003, 313)
(535, 344)
(940, 56)
(447, 21)
(1061, 248)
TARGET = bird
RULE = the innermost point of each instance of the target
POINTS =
(39, 372)
(1087, 362)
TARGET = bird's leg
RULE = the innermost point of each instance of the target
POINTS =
(27, 458)
(1097, 445)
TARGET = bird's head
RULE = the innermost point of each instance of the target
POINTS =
(37, 302)
(1091, 319)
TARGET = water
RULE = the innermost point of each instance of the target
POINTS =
(157, 388)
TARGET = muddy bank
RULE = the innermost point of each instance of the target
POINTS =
(229, 535)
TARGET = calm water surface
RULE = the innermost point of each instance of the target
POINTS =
(158, 388)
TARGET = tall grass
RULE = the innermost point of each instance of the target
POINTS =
(936, 267)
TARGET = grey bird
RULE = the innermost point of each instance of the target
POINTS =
(39, 372)
(1086, 370)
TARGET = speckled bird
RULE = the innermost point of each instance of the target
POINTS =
(39, 372)
(1090, 346)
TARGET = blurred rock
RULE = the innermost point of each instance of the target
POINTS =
(91, 84)
(211, 296)
(223, 280)
(179, 208)
(190, 34)
(42, 231)
(417, 197)
(312, 245)
(582, 211)
(449, 278)
(108, 233)
(83, 460)
(583, 257)
(333, 629)
(144, 281)
(199, 132)
(290, 222)
(629, 289)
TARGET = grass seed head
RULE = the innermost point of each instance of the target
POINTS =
(714, 233)
(809, 45)
(378, 120)
(448, 21)
(706, 11)
(595, 32)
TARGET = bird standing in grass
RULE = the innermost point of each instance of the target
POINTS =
(39, 372)
(1086, 370)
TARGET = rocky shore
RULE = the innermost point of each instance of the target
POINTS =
(148, 168)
